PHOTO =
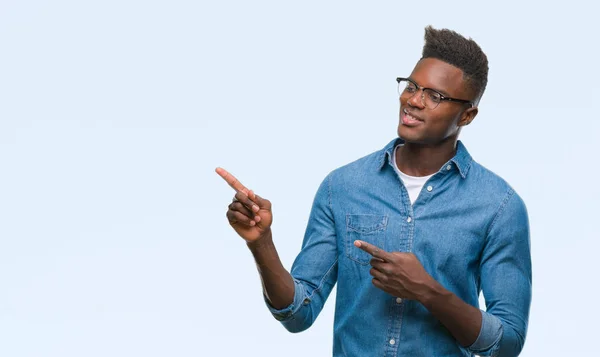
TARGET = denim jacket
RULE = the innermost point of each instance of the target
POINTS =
(467, 227)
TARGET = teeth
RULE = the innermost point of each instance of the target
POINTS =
(409, 116)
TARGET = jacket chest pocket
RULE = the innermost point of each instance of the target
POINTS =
(366, 227)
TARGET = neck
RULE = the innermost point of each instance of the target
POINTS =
(423, 160)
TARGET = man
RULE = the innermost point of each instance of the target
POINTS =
(411, 233)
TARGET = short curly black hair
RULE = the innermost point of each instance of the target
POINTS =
(465, 54)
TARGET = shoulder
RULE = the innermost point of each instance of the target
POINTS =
(369, 164)
(357, 175)
(496, 190)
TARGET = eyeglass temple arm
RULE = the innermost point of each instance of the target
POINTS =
(458, 100)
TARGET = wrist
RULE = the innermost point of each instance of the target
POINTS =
(265, 239)
(433, 294)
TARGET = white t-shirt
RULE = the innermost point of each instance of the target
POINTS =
(413, 184)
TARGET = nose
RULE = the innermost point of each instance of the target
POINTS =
(416, 100)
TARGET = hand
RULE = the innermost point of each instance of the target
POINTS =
(399, 274)
(249, 214)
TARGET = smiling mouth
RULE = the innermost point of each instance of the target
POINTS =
(410, 120)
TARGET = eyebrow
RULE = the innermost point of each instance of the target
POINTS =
(437, 90)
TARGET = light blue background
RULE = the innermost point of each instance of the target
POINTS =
(114, 114)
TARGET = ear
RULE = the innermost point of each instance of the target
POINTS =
(468, 116)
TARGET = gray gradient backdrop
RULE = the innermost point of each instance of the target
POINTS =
(114, 114)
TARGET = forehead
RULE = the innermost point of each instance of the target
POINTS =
(437, 74)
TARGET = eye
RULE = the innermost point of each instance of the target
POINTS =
(410, 88)
(434, 96)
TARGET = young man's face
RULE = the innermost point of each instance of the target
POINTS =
(422, 125)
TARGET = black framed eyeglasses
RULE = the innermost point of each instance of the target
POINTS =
(430, 98)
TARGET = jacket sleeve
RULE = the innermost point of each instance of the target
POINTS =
(506, 281)
(315, 269)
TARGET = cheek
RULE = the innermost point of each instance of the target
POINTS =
(446, 123)
(404, 99)
(440, 119)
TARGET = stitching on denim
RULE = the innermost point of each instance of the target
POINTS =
(330, 199)
(348, 243)
(403, 309)
(386, 153)
(501, 209)
(423, 201)
(390, 328)
(463, 170)
(464, 157)
(318, 288)
(329, 194)
(467, 168)
(379, 227)
(287, 313)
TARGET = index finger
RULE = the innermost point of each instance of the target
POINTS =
(374, 251)
(231, 180)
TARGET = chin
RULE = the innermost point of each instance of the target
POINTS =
(404, 135)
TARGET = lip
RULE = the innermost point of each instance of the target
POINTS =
(412, 121)
(406, 111)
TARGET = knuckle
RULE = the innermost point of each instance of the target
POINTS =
(230, 218)
(240, 207)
